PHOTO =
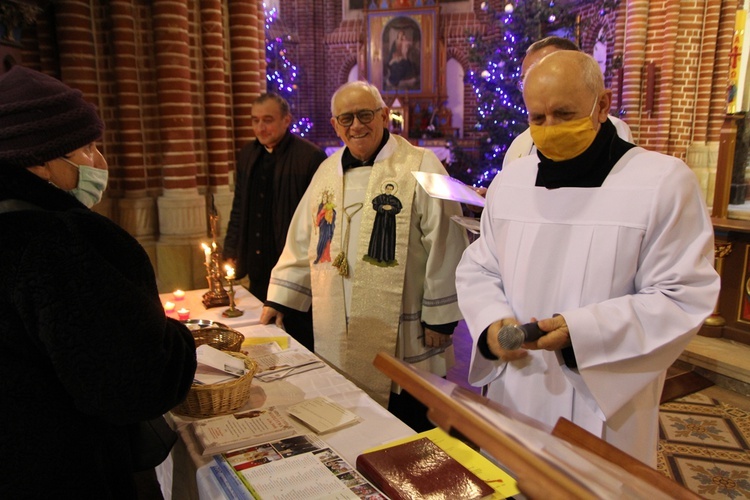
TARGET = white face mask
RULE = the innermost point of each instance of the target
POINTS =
(91, 184)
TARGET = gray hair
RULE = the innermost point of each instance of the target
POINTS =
(552, 41)
(372, 89)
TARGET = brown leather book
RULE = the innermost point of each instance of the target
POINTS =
(420, 469)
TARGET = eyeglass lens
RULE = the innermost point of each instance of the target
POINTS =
(364, 116)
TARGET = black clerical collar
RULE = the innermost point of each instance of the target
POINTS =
(349, 161)
(590, 168)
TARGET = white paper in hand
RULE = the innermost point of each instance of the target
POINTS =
(447, 188)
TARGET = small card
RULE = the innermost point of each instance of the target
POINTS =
(323, 415)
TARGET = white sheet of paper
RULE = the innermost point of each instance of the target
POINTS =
(448, 188)
(214, 358)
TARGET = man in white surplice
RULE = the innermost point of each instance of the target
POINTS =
(607, 245)
(374, 254)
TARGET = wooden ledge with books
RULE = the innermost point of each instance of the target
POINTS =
(564, 462)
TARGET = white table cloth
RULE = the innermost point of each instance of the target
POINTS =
(192, 477)
(193, 301)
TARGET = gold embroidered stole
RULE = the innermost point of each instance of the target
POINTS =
(377, 286)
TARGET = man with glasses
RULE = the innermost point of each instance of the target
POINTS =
(402, 299)
(273, 172)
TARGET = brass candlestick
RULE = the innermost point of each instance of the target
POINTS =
(721, 250)
(216, 295)
(232, 312)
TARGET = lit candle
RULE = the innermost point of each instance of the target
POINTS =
(207, 251)
(178, 294)
(230, 272)
(183, 314)
(169, 307)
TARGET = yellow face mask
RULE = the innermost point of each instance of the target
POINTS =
(565, 140)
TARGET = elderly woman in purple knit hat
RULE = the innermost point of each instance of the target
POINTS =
(86, 351)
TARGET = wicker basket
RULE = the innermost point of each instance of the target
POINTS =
(219, 399)
(222, 338)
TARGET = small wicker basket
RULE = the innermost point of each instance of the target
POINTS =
(219, 399)
(222, 338)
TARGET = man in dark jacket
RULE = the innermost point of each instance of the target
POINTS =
(86, 351)
(272, 175)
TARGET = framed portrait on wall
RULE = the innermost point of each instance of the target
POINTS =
(744, 309)
(402, 51)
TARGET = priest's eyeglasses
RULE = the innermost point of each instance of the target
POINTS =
(364, 116)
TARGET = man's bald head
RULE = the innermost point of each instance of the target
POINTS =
(563, 86)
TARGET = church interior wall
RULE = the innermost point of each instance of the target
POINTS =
(171, 153)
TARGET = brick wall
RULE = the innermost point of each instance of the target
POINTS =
(175, 79)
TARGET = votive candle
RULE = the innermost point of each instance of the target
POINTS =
(169, 307)
(183, 314)
(178, 294)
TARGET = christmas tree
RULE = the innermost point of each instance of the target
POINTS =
(281, 73)
(496, 58)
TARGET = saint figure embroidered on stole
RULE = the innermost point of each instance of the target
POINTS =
(382, 248)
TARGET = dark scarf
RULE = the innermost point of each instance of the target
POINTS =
(590, 168)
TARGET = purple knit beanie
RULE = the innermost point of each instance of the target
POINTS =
(41, 119)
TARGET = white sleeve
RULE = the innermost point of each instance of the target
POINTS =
(481, 296)
(676, 287)
(290, 277)
(444, 242)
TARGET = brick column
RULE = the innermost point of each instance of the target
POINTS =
(634, 56)
(664, 59)
(217, 110)
(702, 153)
(246, 28)
(182, 211)
(136, 209)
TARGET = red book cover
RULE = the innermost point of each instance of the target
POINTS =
(420, 469)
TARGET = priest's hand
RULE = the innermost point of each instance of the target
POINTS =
(435, 339)
(494, 345)
(556, 338)
(269, 315)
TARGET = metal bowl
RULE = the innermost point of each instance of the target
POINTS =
(198, 324)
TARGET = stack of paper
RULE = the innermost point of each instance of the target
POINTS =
(215, 366)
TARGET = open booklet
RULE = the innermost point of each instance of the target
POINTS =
(295, 467)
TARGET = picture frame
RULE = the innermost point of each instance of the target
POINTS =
(402, 51)
(743, 311)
